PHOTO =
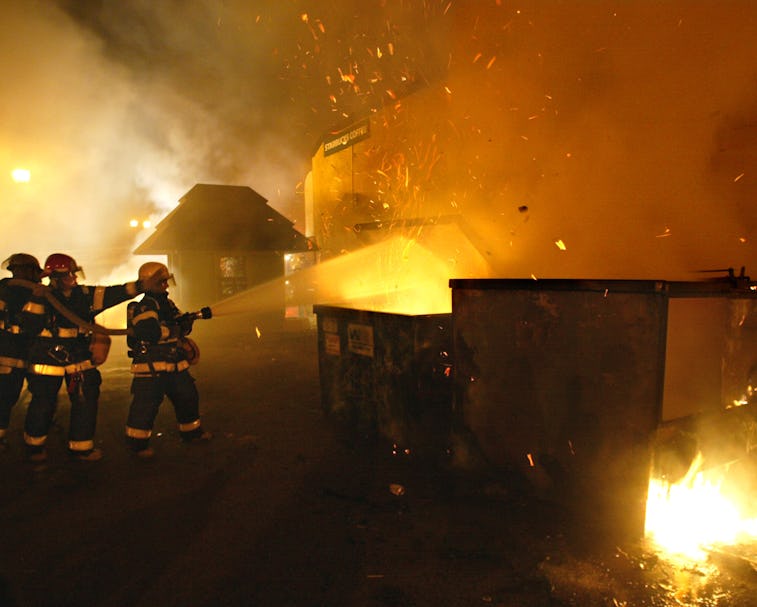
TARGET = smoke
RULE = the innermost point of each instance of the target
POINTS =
(117, 111)
(66, 115)
(623, 128)
(576, 139)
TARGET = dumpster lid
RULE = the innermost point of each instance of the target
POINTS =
(727, 286)
(559, 284)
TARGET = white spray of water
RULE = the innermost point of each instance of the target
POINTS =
(417, 284)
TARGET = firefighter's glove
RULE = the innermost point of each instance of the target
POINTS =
(185, 323)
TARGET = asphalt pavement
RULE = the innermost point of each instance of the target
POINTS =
(286, 508)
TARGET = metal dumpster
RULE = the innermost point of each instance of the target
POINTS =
(387, 374)
(568, 381)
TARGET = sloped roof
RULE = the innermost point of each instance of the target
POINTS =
(227, 218)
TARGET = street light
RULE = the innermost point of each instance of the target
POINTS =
(134, 223)
(21, 175)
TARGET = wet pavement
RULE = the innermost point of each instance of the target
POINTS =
(283, 508)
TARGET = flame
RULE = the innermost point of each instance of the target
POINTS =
(688, 517)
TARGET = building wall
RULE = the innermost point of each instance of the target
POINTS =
(199, 277)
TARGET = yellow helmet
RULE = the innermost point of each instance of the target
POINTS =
(153, 272)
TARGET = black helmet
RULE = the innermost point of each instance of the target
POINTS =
(21, 260)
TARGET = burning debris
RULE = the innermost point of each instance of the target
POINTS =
(700, 512)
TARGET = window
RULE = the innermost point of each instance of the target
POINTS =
(233, 275)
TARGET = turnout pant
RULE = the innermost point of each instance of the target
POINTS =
(11, 384)
(84, 392)
(147, 395)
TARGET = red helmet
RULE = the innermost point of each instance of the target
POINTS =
(60, 263)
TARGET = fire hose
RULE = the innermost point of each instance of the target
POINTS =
(101, 335)
(90, 327)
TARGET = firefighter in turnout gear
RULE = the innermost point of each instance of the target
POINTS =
(14, 343)
(60, 351)
(157, 331)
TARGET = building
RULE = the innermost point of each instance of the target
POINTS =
(222, 240)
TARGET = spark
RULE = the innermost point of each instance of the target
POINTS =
(346, 77)
(530, 460)
(665, 234)
(560, 245)
(738, 177)
(491, 62)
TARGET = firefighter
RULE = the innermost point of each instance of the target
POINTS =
(14, 343)
(160, 363)
(60, 351)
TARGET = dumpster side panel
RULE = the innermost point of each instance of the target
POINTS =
(711, 355)
(565, 386)
(387, 374)
(346, 362)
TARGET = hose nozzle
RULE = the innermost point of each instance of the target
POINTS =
(203, 313)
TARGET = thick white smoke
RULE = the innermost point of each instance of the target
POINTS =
(107, 139)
